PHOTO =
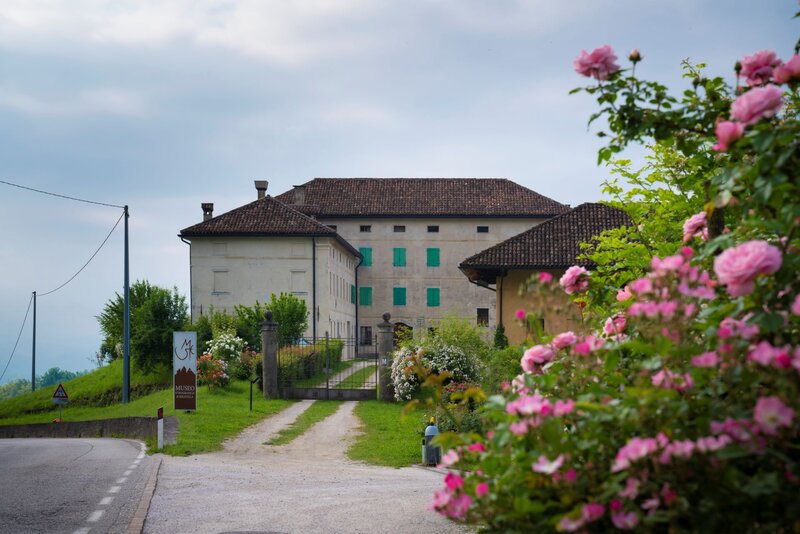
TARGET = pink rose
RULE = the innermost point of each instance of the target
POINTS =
(564, 340)
(757, 68)
(545, 277)
(592, 511)
(788, 71)
(536, 355)
(482, 489)
(520, 315)
(737, 267)
(598, 64)
(625, 521)
(796, 306)
(624, 294)
(575, 280)
(615, 325)
(707, 359)
(770, 414)
(727, 132)
(755, 104)
(545, 466)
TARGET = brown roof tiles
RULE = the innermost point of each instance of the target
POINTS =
(419, 197)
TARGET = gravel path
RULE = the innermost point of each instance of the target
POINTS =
(306, 486)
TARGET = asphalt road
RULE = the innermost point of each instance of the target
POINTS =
(70, 485)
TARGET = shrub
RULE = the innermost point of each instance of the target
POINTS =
(226, 346)
(438, 357)
(212, 372)
(291, 314)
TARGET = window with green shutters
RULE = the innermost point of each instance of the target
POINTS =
(399, 296)
(433, 257)
(399, 259)
(352, 294)
(433, 297)
(365, 296)
(366, 253)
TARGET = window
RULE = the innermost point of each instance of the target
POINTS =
(365, 296)
(366, 253)
(365, 335)
(220, 281)
(297, 282)
(352, 294)
(433, 229)
(433, 297)
(399, 257)
(433, 257)
(399, 296)
(483, 316)
(399, 228)
(483, 229)
(365, 228)
(332, 226)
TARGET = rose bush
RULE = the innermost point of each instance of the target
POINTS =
(680, 411)
(212, 372)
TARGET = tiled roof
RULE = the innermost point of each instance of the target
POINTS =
(554, 244)
(266, 217)
(419, 197)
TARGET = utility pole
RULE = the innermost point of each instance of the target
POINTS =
(126, 325)
(33, 350)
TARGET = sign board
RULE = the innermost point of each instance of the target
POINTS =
(184, 369)
(60, 396)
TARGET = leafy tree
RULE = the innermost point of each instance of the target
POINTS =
(56, 375)
(155, 313)
(14, 387)
(162, 313)
(291, 314)
(248, 323)
(500, 339)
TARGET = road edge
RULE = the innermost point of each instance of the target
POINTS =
(140, 515)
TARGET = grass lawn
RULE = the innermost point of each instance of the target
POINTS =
(315, 413)
(358, 379)
(389, 438)
(102, 386)
(319, 379)
(220, 414)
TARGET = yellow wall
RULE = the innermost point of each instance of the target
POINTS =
(558, 312)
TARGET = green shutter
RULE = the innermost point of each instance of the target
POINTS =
(433, 257)
(399, 259)
(399, 296)
(352, 294)
(365, 296)
(366, 252)
(433, 297)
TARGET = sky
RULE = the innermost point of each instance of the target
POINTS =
(161, 105)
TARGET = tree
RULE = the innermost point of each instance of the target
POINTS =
(56, 375)
(291, 314)
(155, 313)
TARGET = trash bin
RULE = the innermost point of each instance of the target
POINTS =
(431, 454)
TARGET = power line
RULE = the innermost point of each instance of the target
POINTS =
(61, 196)
(18, 336)
(87, 262)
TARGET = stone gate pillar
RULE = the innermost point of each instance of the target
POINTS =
(269, 351)
(385, 349)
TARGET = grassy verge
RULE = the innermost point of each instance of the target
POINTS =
(357, 379)
(220, 414)
(315, 413)
(319, 378)
(98, 388)
(389, 438)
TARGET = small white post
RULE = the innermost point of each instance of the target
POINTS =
(160, 428)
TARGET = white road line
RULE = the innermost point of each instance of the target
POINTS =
(132, 466)
(127, 473)
(122, 480)
(114, 489)
(95, 517)
(105, 501)
(84, 530)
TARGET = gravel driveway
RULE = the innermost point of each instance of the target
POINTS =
(306, 486)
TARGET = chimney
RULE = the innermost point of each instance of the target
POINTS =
(299, 195)
(208, 210)
(261, 187)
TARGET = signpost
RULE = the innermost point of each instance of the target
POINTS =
(184, 368)
(60, 398)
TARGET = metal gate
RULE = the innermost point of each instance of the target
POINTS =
(328, 368)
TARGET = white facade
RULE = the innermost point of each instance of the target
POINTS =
(226, 271)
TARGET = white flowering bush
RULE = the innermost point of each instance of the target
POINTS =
(227, 347)
(436, 356)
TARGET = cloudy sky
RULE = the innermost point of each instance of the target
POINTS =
(165, 104)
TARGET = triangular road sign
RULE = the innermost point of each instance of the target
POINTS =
(60, 393)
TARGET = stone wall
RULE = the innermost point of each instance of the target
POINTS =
(140, 428)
